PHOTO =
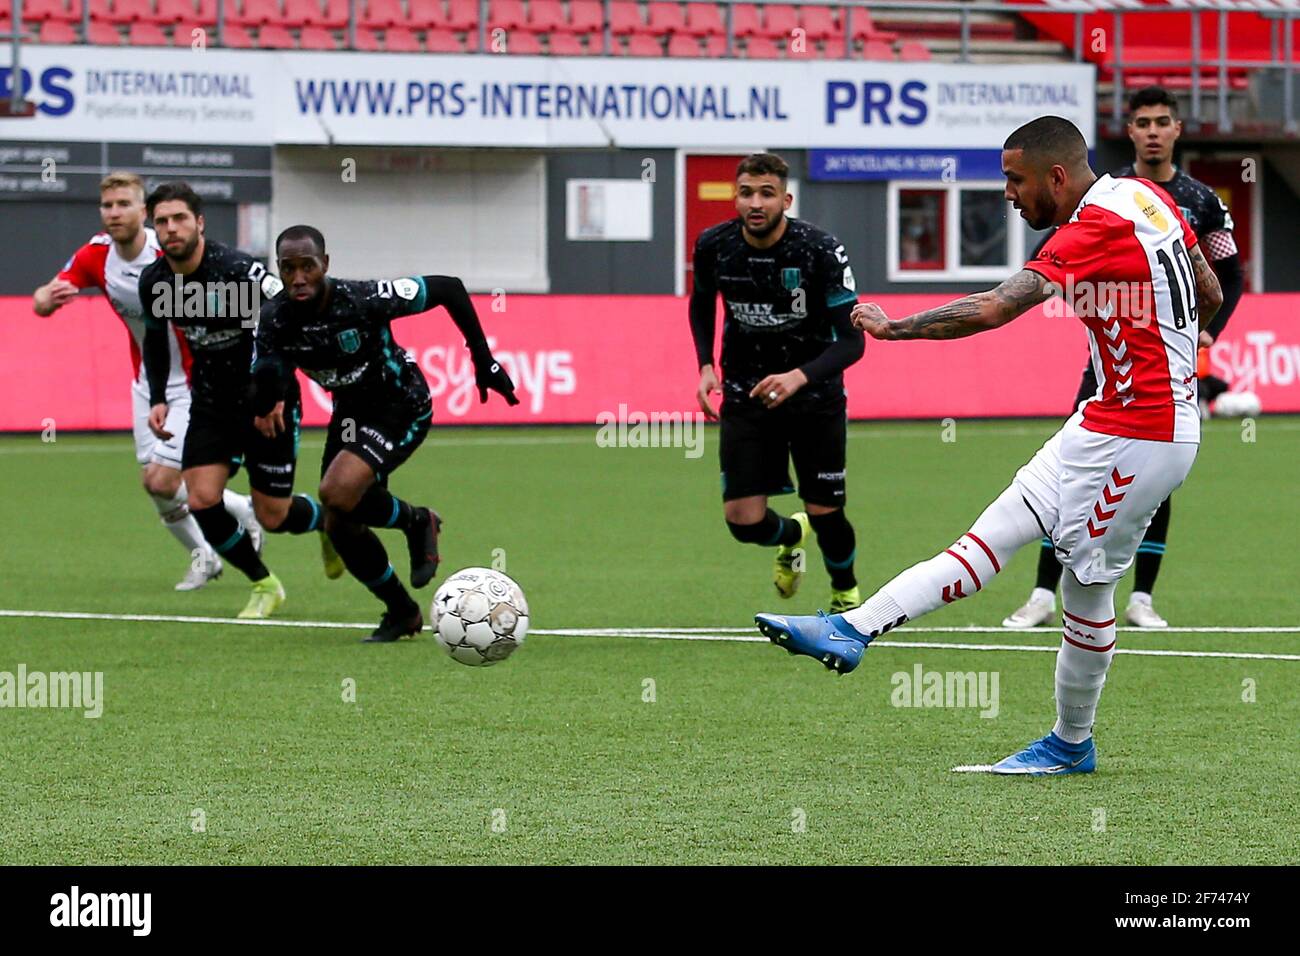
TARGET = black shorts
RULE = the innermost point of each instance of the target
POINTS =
(228, 437)
(383, 434)
(757, 444)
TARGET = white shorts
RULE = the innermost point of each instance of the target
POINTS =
(149, 448)
(1095, 495)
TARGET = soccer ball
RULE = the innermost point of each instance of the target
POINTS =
(480, 616)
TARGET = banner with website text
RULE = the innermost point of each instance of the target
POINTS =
(575, 358)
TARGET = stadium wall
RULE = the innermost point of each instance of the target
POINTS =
(575, 358)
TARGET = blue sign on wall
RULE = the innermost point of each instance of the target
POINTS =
(949, 165)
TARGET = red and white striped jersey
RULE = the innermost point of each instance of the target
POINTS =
(1123, 264)
(99, 265)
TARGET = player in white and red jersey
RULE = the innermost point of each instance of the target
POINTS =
(1128, 263)
(112, 261)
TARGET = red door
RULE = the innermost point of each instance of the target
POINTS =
(710, 198)
(1225, 176)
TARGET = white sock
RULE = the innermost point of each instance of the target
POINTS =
(1140, 597)
(239, 506)
(1005, 526)
(1087, 646)
(177, 519)
(1044, 596)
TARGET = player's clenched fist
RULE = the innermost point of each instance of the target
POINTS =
(158, 422)
(871, 318)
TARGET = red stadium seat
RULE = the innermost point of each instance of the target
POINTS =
(275, 37)
(586, 16)
(506, 15)
(642, 44)
(402, 40)
(133, 11)
(176, 11)
(252, 13)
(703, 19)
(317, 38)
(233, 36)
(864, 29)
(367, 40)
(801, 48)
(546, 16)
(471, 40)
(336, 14)
(745, 21)
(625, 18)
(67, 11)
(523, 43)
(666, 18)
(207, 14)
(301, 13)
(462, 15)
(779, 21)
(381, 13)
(426, 14)
(104, 34)
(877, 50)
(56, 31)
(761, 48)
(442, 41)
(820, 23)
(715, 46)
(183, 34)
(570, 44)
(909, 51)
(147, 34)
(681, 44)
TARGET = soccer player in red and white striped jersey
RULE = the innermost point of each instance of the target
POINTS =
(112, 261)
(1128, 263)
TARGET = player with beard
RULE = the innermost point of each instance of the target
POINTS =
(212, 294)
(336, 331)
(787, 337)
(1154, 128)
(112, 261)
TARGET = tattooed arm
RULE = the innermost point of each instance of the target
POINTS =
(975, 313)
(1209, 294)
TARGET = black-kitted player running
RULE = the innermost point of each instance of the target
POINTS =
(337, 332)
(787, 337)
(1154, 128)
(212, 294)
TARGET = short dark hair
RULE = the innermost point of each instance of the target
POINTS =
(168, 192)
(302, 232)
(1152, 96)
(1051, 138)
(764, 164)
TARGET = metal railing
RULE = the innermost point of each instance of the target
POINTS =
(1281, 52)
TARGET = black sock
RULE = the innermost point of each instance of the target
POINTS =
(772, 530)
(304, 515)
(364, 556)
(1152, 550)
(230, 540)
(1049, 569)
(380, 508)
(838, 545)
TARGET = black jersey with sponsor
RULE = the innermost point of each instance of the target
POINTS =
(1204, 211)
(347, 347)
(777, 302)
(216, 308)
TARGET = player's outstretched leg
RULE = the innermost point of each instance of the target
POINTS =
(838, 545)
(1087, 648)
(1150, 553)
(167, 492)
(380, 508)
(752, 522)
(1041, 606)
(837, 640)
(367, 560)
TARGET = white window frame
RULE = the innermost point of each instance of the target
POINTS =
(952, 237)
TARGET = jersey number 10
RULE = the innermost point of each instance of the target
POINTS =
(1182, 291)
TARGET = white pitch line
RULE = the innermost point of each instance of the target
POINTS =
(964, 629)
(737, 635)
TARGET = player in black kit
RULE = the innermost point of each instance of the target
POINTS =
(1154, 128)
(213, 294)
(787, 337)
(337, 332)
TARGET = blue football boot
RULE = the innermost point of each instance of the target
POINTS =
(831, 640)
(1050, 757)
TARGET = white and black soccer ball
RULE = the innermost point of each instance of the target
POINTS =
(480, 616)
